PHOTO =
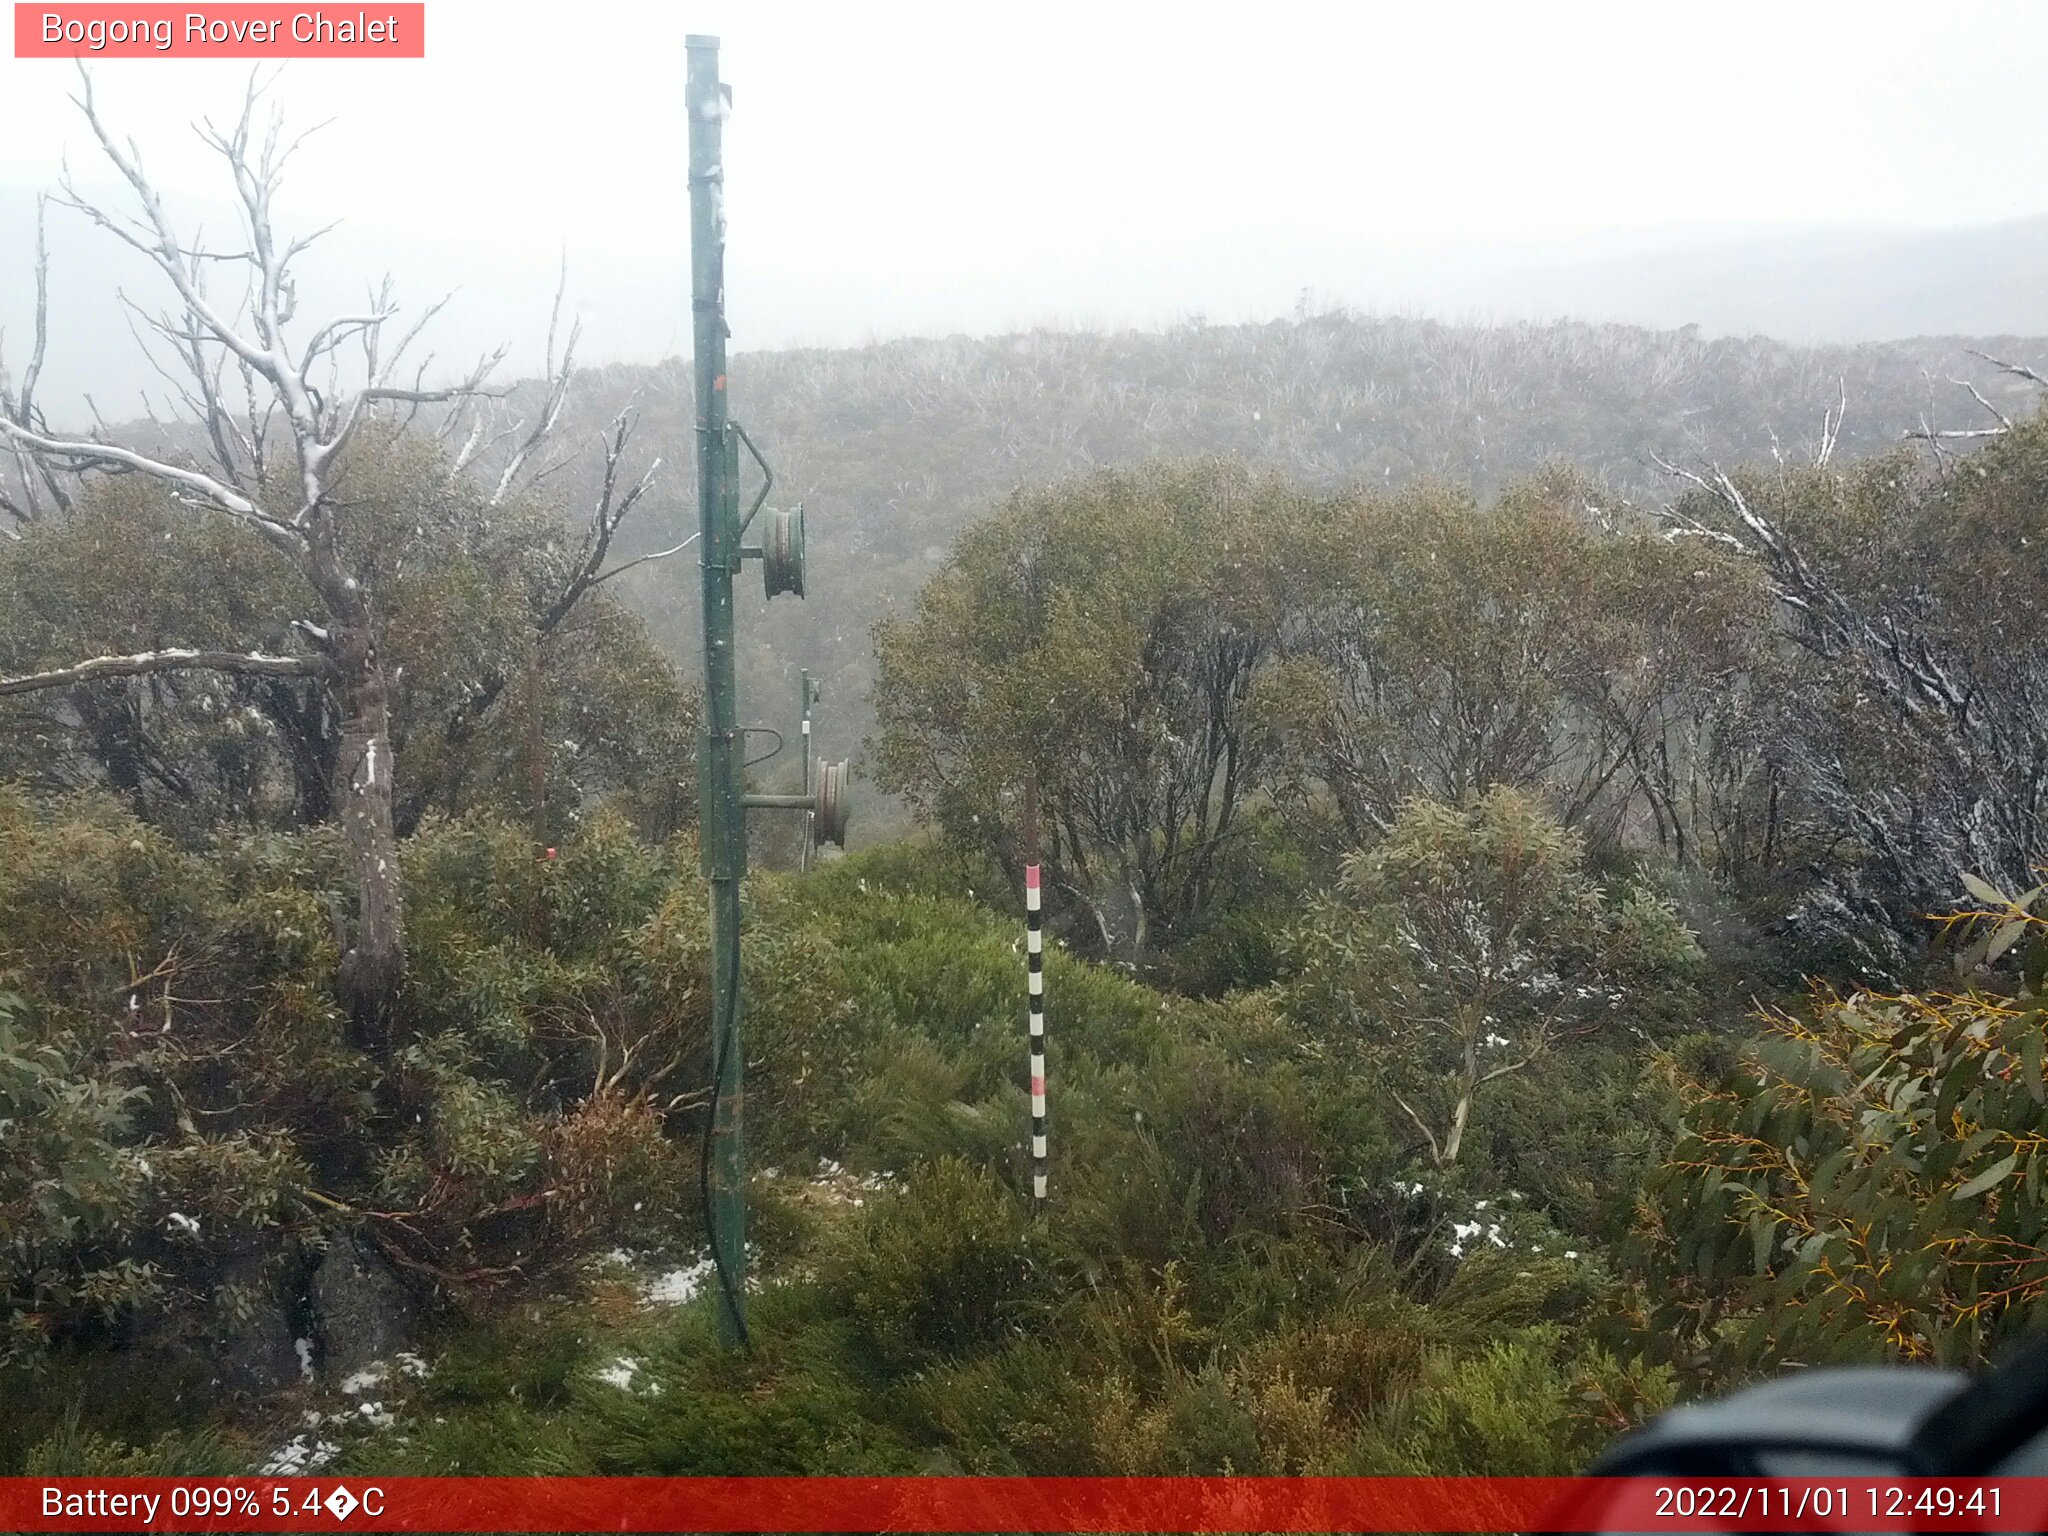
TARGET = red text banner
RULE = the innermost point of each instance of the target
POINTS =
(236, 31)
(1021, 1504)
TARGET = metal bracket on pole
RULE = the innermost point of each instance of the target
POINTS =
(767, 480)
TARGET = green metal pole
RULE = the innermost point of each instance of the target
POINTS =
(721, 818)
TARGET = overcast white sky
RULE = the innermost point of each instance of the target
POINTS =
(900, 167)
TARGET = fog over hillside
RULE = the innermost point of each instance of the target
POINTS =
(1821, 285)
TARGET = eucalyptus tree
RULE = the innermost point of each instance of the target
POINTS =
(271, 405)
(1435, 651)
(1909, 591)
(1549, 641)
(1105, 634)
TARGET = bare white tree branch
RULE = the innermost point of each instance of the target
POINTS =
(88, 454)
(142, 663)
(1831, 424)
(556, 397)
(659, 554)
(2019, 370)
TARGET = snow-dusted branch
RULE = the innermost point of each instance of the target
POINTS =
(606, 518)
(1935, 437)
(557, 396)
(2018, 370)
(39, 488)
(659, 554)
(85, 453)
(1906, 668)
(1831, 424)
(1953, 434)
(142, 663)
(319, 423)
(1680, 522)
(2004, 421)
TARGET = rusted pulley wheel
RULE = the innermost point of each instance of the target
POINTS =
(782, 553)
(829, 821)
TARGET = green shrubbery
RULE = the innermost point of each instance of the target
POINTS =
(1230, 1274)
(184, 1096)
(938, 1271)
(68, 1191)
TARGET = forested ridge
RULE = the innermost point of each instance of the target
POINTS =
(895, 446)
(1542, 832)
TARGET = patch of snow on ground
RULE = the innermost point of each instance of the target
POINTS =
(298, 1456)
(623, 1372)
(366, 1378)
(835, 1183)
(678, 1285)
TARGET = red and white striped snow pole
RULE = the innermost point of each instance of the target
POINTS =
(1034, 965)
